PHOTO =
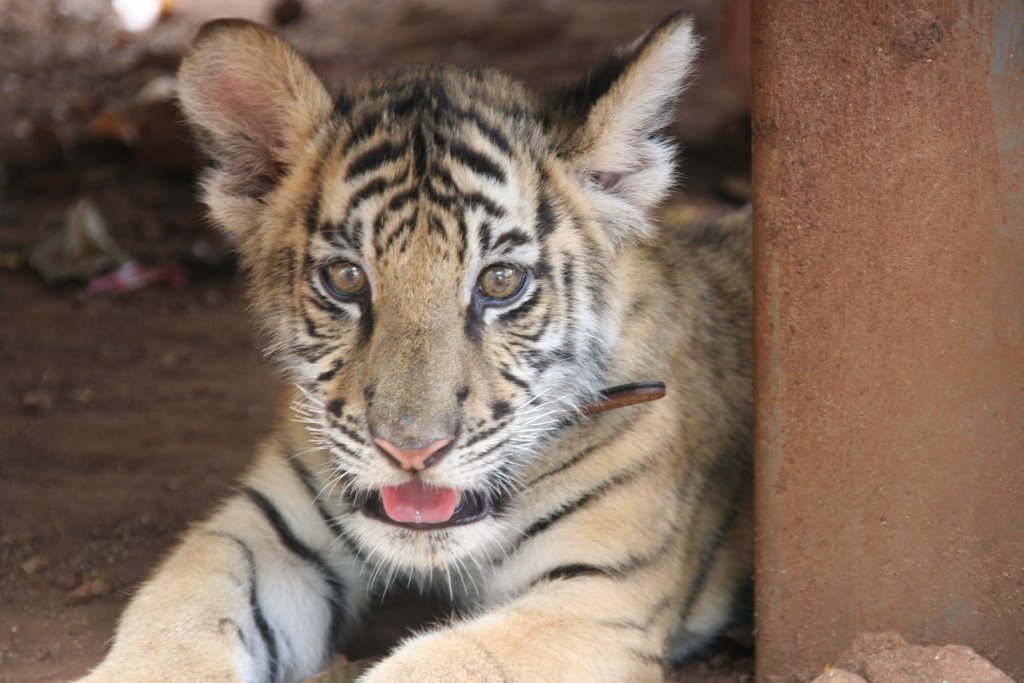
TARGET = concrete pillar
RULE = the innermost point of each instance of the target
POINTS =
(889, 326)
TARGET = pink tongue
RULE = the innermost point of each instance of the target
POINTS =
(417, 503)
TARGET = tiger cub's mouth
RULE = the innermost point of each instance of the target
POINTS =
(415, 505)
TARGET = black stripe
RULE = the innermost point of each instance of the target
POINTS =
(545, 220)
(307, 479)
(512, 238)
(439, 197)
(419, 152)
(401, 108)
(649, 657)
(374, 158)
(513, 314)
(434, 224)
(288, 539)
(311, 328)
(365, 325)
(473, 200)
(487, 451)
(267, 634)
(327, 305)
(313, 214)
(569, 284)
(284, 533)
(363, 130)
(707, 557)
(399, 200)
(343, 447)
(514, 380)
(493, 135)
(618, 570)
(342, 106)
(463, 238)
(343, 237)
(349, 433)
(329, 374)
(481, 435)
(476, 162)
(370, 189)
(572, 571)
(542, 328)
(311, 353)
(405, 227)
(595, 493)
(484, 235)
(443, 177)
(577, 458)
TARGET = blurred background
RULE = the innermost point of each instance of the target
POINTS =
(132, 390)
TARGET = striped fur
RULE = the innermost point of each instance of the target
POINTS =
(615, 544)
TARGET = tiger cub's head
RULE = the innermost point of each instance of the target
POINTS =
(433, 254)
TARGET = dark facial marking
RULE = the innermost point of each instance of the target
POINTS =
(335, 406)
(500, 409)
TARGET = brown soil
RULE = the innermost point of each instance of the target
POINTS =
(123, 418)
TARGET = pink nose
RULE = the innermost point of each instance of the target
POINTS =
(415, 458)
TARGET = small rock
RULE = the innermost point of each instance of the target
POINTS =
(37, 402)
(82, 395)
(33, 565)
(162, 88)
(838, 676)
(888, 658)
(88, 590)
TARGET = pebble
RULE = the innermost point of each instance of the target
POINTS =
(88, 590)
(33, 565)
(37, 402)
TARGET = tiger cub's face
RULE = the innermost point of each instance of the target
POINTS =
(433, 255)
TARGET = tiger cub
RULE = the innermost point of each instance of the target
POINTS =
(453, 272)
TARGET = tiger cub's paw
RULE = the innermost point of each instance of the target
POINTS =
(440, 656)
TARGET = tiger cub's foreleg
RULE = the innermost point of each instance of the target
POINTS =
(261, 591)
(591, 592)
(585, 629)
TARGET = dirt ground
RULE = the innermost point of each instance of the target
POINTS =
(124, 417)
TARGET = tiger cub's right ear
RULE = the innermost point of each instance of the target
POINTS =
(255, 103)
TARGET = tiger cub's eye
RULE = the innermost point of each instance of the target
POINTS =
(344, 279)
(501, 281)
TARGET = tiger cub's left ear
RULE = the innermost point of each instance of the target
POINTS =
(609, 125)
(255, 105)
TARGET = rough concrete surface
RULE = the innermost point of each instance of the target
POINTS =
(888, 183)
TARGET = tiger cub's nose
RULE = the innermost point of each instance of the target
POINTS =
(415, 458)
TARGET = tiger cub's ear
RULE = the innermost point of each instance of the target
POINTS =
(608, 127)
(255, 103)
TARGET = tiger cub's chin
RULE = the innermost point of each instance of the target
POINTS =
(454, 271)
